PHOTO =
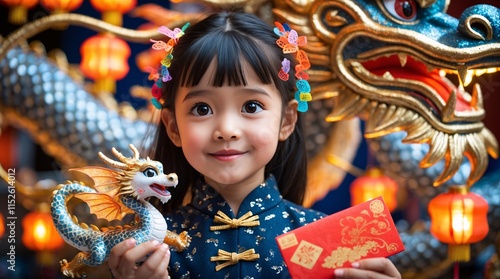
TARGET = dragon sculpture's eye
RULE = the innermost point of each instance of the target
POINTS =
(405, 10)
(149, 172)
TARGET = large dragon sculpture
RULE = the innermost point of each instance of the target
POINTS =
(114, 195)
(401, 66)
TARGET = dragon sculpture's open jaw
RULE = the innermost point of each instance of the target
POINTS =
(422, 102)
(393, 64)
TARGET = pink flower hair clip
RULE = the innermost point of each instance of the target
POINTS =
(290, 42)
(164, 74)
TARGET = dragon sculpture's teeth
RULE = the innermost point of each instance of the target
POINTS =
(477, 97)
(387, 75)
(357, 67)
(403, 58)
(448, 112)
(462, 74)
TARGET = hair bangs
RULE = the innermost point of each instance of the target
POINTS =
(231, 51)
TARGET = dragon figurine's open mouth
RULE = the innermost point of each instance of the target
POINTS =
(160, 189)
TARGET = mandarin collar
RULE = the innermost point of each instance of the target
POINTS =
(266, 195)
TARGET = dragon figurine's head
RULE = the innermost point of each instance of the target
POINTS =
(406, 66)
(142, 178)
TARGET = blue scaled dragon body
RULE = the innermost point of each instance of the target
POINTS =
(114, 195)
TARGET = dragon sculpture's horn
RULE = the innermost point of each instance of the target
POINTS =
(113, 163)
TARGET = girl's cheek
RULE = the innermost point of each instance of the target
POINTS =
(265, 136)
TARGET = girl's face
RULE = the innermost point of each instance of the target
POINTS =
(230, 133)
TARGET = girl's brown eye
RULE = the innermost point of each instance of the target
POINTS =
(201, 109)
(251, 107)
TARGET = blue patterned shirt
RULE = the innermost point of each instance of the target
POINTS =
(223, 247)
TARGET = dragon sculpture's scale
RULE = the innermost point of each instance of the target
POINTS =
(114, 195)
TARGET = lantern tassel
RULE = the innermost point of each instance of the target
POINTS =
(18, 15)
(459, 252)
(456, 270)
(106, 84)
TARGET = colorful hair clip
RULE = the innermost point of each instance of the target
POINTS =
(290, 42)
(168, 46)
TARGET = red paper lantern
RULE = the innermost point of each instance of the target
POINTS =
(39, 232)
(112, 10)
(374, 184)
(104, 59)
(459, 218)
(61, 6)
(18, 13)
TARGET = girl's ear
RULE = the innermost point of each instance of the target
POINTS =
(288, 122)
(168, 119)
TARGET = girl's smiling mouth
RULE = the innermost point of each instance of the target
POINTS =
(227, 155)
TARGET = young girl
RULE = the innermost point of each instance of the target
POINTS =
(233, 135)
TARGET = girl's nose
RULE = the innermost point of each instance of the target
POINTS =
(227, 129)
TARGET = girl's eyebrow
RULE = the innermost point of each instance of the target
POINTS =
(201, 92)
(195, 93)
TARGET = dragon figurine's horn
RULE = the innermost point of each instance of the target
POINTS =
(136, 152)
(113, 163)
(124, 159)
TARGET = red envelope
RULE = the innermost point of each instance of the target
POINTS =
(362, 231)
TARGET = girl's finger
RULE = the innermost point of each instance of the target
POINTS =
(118, 251)
(380, 265)
(139, 252)
(127, 266)
(369, 268)
(156, 264)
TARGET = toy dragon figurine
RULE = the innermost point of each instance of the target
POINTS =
(115, 195)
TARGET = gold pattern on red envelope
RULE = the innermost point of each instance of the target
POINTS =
(307, 254)
(362, 231)
(287, 241)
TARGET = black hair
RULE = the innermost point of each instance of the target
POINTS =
(228, 37)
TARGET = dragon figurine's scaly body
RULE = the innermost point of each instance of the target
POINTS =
(115, 195)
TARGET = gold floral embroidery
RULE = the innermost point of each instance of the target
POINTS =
(231, 258)
(248, 220)
(362, 235)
